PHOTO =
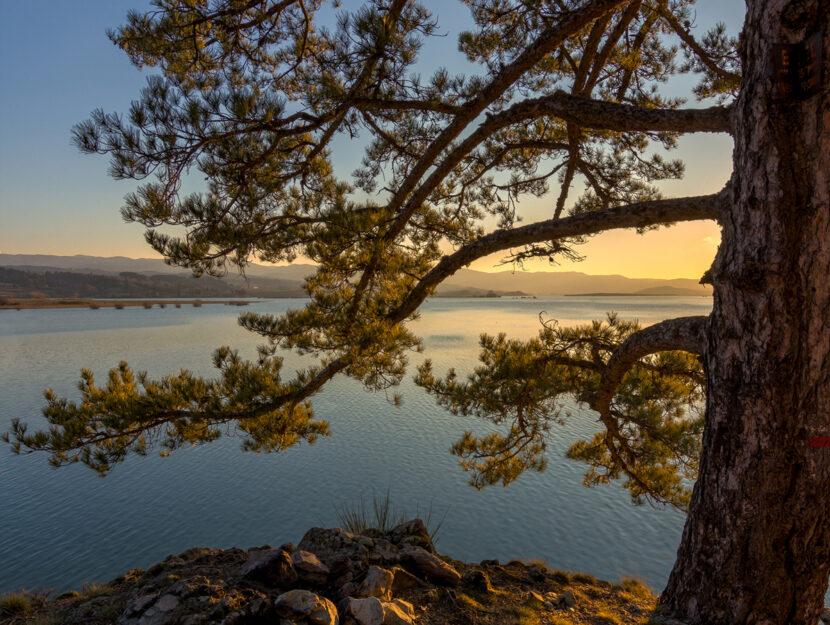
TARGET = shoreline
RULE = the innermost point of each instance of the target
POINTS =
(335, 577)
(94, 304)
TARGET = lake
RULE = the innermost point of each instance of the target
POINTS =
(61, 528)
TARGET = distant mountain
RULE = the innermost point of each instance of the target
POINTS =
(21, 283)
(657, 290)
(291, 277)
(568, 282)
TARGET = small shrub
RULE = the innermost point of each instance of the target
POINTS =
(94, 306)
(561, 577)
(90, 591)
(148, 305)
(162, 305)
(119, 307)
(178, 305)
(14, 604)
(635, 586)
(584, 578)
(69, 594)
(197, 304)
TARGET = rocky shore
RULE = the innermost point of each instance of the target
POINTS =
(333, 577)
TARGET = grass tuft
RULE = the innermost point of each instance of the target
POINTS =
(584, 578)
(383, 516)
(14, 604)
(90, 591)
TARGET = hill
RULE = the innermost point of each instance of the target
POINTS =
(473, 283)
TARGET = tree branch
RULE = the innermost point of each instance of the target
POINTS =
(688, 334)
(631, 216)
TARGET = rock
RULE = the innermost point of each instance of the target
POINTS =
(296, 603)
(536, 572)
(398, 612)
(139, 604)
(337, 549)
(324, 614)
(271, 566)
(404, 580)
(567, 599)
(377, 583)
(395, 613)
(384, 552)
(289, 547)
(478, 579)
(412, 533)
(309, 568)
(825, 615)
(490, 563)
(407, 607)
(367, 611)
(167, 603)
(158, 613)
(432, 567)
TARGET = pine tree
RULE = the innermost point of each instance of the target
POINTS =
(251, 94)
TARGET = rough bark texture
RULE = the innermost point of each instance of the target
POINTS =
(756, 546)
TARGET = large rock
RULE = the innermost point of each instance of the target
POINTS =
(377, 583)
(339, 550)
(398, 612)
(383, 552)
(478, 579)
(309, 568)
(296, 603)
(404, 580)
(303, 604)
(324, 614)
(270, 566)
(412, 533)
(432, 567)
(368, 611)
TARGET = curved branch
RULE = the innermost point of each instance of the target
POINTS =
(630, 216)
(688, 334)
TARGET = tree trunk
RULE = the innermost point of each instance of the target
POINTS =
(756, 546)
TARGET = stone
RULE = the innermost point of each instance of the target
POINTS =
(337, 549)
(412, 533)
(567, 599)
(431, 566)
(325, 613)
(289, 547)
(377, 583)
(394, 613)
(478, 579)
(407, 607)
(536, 572)
(139, 604)
(270, 566)
(384, 552)
(368, 611)
(296, 603)
(309, 568)
(167, 603)
(404, 580)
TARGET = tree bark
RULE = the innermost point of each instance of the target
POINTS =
(756, 545)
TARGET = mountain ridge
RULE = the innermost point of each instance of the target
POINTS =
(529, 282)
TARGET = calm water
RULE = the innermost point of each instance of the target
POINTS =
(60, 528)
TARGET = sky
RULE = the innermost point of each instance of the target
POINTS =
(57, 65)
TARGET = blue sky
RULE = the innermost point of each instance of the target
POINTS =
(56, 65)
